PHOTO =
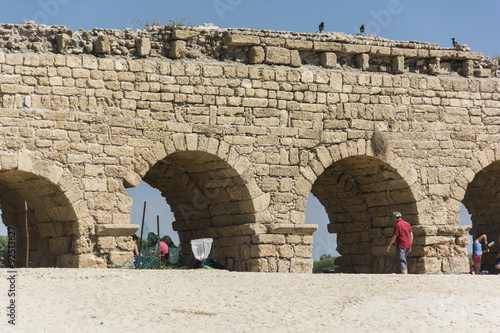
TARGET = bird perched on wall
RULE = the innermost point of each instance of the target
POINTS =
(362, 29)
(321, 26)
(460, 47)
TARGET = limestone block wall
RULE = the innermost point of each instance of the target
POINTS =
(236, 128)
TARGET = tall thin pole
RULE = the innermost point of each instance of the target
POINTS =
(159, 247)
(142, 227)
(27, 233)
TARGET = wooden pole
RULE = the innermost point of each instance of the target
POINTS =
(159, 247)
(27, 234)
(142, 227)
(158, 225)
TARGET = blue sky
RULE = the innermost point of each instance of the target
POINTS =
(473, 23)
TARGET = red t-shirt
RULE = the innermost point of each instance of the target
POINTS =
(402, 230)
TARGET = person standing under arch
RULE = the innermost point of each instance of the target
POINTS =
(477, 251)
(403, 236)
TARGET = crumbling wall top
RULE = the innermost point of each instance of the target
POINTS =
(327, 49)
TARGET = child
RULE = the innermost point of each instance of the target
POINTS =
(477, 251)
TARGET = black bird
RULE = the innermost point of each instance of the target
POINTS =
(322, 26)
(455, 44)
(362, 29)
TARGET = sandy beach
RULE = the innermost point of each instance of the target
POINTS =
(118, 300)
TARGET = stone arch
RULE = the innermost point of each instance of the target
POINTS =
(53, 203)
(359, 193)
(479, 186)
(211, 191)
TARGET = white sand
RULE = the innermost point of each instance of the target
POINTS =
(112, 300)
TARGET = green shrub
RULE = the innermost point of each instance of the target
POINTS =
(325, 263)
(3, 249)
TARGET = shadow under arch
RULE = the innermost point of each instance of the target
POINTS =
(482, 200)
(359, 194)
(51, 219)
(208, 199)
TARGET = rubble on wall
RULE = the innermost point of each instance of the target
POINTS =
(328, 49)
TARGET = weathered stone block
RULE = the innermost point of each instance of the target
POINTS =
(106, 243)
(380, 51)
(301, 45)
(143, 46)
(263, 250)
(212, 71)
(355, 48)
(408, 53)
(256, 55)
(268, 239)
(327, 47)
(257, 265)
(184, 34)
(398, 64)
(328, 59)
(277, 56)
(89, 261)
(300, 265)
(13, 59)
(456, 265)
(303, 251)
(178, 49)
(483, 72)
(102, 45)
(241, 40)
(429, 266)
(82, 245)
(62, 41)
(468, 68)
(361, 61)
(116, 229)
(295, 60)
(435, 66)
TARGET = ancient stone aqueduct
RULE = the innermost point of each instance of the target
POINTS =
(236, 128)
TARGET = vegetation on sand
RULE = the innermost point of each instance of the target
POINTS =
(325, 263)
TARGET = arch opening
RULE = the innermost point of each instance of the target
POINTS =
(156, 209)
(52, 222)
(324, 243)
(482, 201)
(208, 199)
(359, 194)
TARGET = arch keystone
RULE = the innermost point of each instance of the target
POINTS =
(192, 141)
(212, 146)
(25, 161)
(179, 141)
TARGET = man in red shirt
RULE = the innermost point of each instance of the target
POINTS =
(403, 236)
